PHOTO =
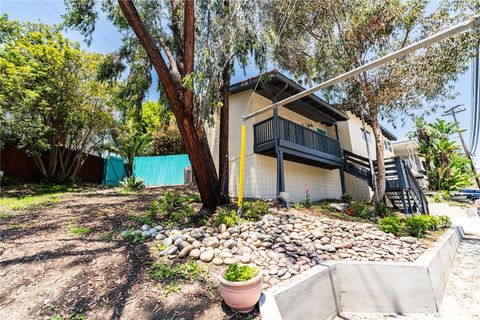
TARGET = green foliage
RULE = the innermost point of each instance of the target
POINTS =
(307, 201)
(417, 226)
(347, 197)
(172, 210)
(169, 274)
(225, 216)
(133, 236)
(76, 230)
(252, 211)
(48, 92)
(438, 198)
(240, 273)
(132, 183)
(360, 210)
(26, 202)
(444, 222)
(447, 169)
(391, 224)
(382, 210)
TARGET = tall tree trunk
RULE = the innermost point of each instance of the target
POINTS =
(181, 100)
(223, 162)
(380, 152)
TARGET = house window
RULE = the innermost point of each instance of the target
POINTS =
(322, 132)
(367, 137)
(388, 145)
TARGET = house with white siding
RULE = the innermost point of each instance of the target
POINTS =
(299, 146)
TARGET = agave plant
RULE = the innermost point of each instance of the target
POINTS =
(132, 183)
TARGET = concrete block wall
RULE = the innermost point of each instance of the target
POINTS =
(358, 188)
(367, 287)
(261, 179)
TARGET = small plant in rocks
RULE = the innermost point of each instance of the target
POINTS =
(347, 197)
(391, 224)
(172, 210)
(252, 211)
(133, 236)
(225, 216)
(132, 183)
(444, 222)
(360, 210)
(382, 210)
(240, 273)
(307, 201)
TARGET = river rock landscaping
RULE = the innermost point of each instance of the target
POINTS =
(282, 244)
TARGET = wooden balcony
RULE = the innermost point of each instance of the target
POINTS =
(298, 143)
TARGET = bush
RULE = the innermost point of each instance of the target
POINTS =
(252, 211)
(382, 210)
(444, 222)
(227, 217)
(360, 210)
(132, 183)
(438, 197)
(391, 224)
(240, 273)
(417, 226)
(347, 197)
(171, 209)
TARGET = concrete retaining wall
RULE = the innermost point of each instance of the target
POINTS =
(349, 286)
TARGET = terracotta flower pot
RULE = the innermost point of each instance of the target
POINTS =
(241, 296)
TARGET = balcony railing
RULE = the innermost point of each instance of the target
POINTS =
(264, 132)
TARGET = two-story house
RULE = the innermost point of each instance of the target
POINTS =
(297, 147)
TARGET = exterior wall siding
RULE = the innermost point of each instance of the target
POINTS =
(359, 189)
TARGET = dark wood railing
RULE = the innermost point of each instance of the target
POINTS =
(264, 131)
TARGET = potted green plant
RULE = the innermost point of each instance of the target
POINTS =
(241, 286)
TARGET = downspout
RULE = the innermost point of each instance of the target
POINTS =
(280, 173)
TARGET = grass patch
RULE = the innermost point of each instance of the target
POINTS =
(170, 275)
(15, 226)
(15, 204)
(76, 230)
(5, 215)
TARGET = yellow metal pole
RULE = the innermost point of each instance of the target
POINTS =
(242, 165)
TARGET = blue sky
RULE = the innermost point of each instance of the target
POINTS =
(106, 39)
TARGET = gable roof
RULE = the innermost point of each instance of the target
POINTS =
(275, 85)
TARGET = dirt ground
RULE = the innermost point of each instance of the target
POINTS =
(46, 271)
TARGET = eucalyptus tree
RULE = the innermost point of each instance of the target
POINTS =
(50, 101)
(192, 46)
(326, 38)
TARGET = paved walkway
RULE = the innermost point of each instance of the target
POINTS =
(465, 217)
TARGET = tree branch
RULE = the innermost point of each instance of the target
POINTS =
(172, 89)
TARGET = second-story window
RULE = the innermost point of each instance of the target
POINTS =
(367, 136)
(388, 145)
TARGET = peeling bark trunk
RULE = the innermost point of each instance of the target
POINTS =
(223, 169)
(380, 152)
(181, 100)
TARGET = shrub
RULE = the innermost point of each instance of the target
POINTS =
(360, 210)
(417, 226)
(438, 197)
(444, 222)
(132, 183)
(240, 273)
(227, 217)
(347, 197)
(171, 209)
(307, 201)
(382, 210)
(252, 211)
(391, 224)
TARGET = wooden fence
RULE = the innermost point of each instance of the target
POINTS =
(17, 165)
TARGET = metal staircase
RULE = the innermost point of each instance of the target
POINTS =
(402, 189)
